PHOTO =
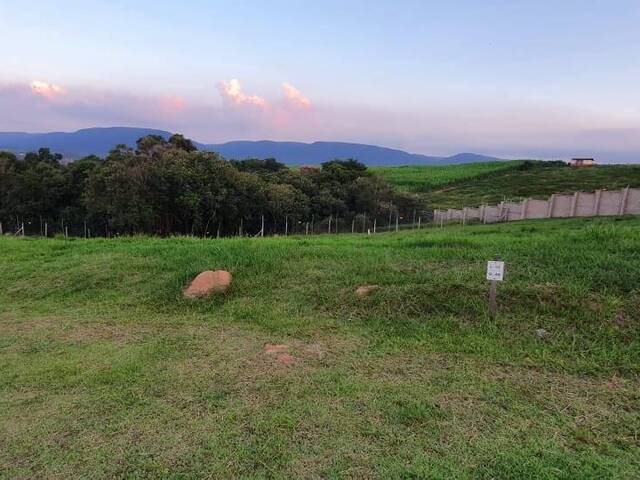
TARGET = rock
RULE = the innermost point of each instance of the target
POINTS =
(285, 359)
(207, 283)
(271, 349)
(541, 333)
(365, 290)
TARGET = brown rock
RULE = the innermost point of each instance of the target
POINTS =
(285, 359)
(365, 290)
(207, 283)
(270, 349)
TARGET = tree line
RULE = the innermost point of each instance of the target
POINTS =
(168, 187)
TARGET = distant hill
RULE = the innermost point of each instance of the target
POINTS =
(88, 141)
(99, 141)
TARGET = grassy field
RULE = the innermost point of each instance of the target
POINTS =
(106, 372)
(539, 181)
(420, 178)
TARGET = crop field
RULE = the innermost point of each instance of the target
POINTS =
(107, 372)
(420, 178)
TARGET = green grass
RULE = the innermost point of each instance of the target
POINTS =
(420, 178)
(106, 372)
(540, 181)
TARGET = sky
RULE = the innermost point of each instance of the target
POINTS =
(517, 79)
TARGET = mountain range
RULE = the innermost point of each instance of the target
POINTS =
(99, 141)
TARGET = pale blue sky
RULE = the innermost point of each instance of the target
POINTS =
(503, 77)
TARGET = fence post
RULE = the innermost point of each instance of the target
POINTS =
(550, 206)
(464, 216)
(413, 223)
(353, 225)
(523, 208)
(330, 218)
(262, 229)
(574, 204)
(1, 232)
(419, 219)
(306, 228)
(596, 203)
(375, 222)
(397, 216)
(623, 201)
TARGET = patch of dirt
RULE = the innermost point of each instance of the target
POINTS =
(622, 320)
(280, 352)
(366, 290)
(285, 359)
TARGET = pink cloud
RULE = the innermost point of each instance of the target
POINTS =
(231, 91)
(294, 97)
(46, 90)
(172, 103)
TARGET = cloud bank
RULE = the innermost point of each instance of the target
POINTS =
(508, 130)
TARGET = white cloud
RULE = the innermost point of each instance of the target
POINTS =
(294, 97)
(46, 90)
(231, 91)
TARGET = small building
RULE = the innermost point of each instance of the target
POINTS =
(582, 162)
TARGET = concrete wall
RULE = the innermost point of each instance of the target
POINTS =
(580, 204)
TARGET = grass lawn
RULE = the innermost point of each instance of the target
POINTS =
(106, 372)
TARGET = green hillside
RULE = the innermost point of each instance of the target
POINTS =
(420, 178)
(106, 372)
(458, 186)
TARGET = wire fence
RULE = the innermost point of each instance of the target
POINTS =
(263, 227)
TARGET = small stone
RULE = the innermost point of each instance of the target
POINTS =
(365, 290)
(541, 333)
(208, 282)
(271, 349)
(285, 359)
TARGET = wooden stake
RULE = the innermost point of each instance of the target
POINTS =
(397, 219)
(286, 225)
(493, 292)
(306, 228)
(46, 229)
(375, 222)
(329, 229)
(262, 229)
(419, 219)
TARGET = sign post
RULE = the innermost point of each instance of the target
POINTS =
(495, 274)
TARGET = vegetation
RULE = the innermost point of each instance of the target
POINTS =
(106, 372)
(421, 178)
(168, 187)
(518, 180)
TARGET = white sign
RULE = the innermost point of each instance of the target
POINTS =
(495, 270)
